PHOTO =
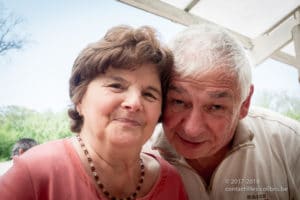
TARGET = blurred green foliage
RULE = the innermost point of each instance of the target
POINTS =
(281, 102)
(18, 122)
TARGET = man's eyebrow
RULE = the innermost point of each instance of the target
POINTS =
(219, 94)
(177, 89)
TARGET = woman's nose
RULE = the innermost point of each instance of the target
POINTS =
(133, 102)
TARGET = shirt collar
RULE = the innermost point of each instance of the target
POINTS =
(242, 135)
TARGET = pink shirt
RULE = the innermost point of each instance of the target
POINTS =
(54, 171)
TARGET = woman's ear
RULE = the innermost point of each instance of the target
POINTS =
(78, 109)
(246, 104)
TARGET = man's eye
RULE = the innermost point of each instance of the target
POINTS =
(177, 105)
(217, 107)
(177, 102)
(214, 108)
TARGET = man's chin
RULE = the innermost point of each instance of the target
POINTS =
(192, 150)
(190, 145)
(187, 152)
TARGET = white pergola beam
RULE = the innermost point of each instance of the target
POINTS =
(285, 58)
(261, 48)
(165, 10)
(265, 45)
(177, 15)
(296, 38)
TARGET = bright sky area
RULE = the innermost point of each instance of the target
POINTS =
(37, 76)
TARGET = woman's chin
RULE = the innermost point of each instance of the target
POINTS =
(125, 142)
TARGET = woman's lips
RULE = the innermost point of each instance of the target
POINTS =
(129, 121)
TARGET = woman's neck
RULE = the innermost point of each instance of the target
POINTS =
(110, 155)
(118, 170)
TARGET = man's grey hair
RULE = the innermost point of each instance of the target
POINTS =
(204, 47)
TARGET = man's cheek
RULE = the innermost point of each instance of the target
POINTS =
(170, 119)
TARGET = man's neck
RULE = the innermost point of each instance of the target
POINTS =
(206, 166)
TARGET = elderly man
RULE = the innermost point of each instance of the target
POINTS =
(223, 149)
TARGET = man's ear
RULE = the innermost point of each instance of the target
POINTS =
(246, 104)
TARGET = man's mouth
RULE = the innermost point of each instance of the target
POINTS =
(190, 141)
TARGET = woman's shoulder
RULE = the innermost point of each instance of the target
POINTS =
(47, 149)
(164, 171)
(168, 181)
(165, 167)
(44, 155)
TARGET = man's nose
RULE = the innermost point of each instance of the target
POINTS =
(194, 123)
(133, 101)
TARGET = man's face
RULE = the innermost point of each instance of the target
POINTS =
(202, 113)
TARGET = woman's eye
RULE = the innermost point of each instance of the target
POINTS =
(115, 85)
(150, 95)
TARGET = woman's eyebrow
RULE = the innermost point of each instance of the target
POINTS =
(117, 78)
(154, 89)
(120, 79)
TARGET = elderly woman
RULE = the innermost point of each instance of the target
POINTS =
(117, 87)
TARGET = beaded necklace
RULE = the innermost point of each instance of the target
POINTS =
(98, 182)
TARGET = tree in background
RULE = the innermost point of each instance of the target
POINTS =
(18, 122)
(280, 102)
(9, 39)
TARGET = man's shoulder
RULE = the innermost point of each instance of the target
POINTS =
(275, 132)
(271, 120)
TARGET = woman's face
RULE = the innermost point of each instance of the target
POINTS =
(122, 107)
